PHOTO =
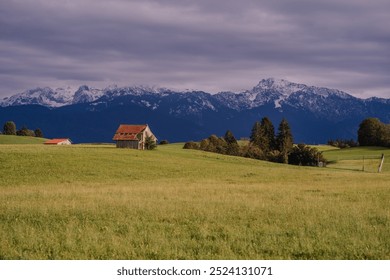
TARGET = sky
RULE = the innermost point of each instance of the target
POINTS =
(209, 45)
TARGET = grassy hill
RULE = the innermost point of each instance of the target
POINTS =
(12, 139)
(99, 202)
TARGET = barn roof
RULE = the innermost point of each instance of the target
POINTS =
(56, 141)
(128, 132)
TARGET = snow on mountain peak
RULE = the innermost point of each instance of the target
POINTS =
(277, 92)
(39, 96)
(280, 85)
(86, 94)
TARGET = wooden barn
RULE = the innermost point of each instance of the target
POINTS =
(132, 136)
(58, 141)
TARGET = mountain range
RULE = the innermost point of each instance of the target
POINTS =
(315, 114)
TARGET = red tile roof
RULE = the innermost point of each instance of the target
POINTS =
(56, 141)
(128, 132)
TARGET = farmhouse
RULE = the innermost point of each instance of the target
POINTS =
(133, 136)
(58, 141)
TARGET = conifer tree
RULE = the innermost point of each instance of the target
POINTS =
(266, 135)
(255, 134)
(229, 138)
(232, 147)
(284, 140)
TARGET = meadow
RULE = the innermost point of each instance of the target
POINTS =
(99, 202)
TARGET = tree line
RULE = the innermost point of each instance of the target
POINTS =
(9, 128)
(371, 132)
(263, 144)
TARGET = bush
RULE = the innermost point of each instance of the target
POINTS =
(25, 132)
(150, 144)
(164, 142)
(191, 145)
(252, 151)
(204, 144)
(305, 155)
(213, 144)
(275, 156)
(342, 143)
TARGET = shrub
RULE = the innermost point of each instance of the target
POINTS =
(204, 144)
(252, 151)
(342, 143)
(305, 155)
(275, 156)
(191, 145)
(213, 144)
(25, 132)
(150, 144)
(164, 142)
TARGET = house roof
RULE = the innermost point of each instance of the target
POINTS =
(56, 140)
(128, 132)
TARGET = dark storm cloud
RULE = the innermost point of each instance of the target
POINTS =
(209, 45)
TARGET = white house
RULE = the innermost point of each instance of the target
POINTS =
(62, 141)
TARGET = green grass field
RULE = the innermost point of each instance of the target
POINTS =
(13, 139)
(99, 202)
(357, 159)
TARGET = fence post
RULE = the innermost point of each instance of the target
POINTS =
(363, 164)
(381, 164)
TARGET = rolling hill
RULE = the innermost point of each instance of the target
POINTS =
(12, 139)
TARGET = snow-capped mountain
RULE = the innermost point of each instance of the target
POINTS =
(277, 92)
(86, 94)
(315, 113)
(280, 93)
(53, 98)
(40, 96)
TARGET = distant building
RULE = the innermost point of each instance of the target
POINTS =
(62, 141)
(133, 136)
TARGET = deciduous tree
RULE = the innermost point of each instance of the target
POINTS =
(24, 131)
(38, 133)
(9, 128)
(372, 132)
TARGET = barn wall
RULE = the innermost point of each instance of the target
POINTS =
(127, 144)
(148, 132)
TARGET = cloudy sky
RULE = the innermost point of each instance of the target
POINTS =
(210, 45)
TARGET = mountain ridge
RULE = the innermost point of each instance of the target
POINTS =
(279, 89)
(315, 113)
